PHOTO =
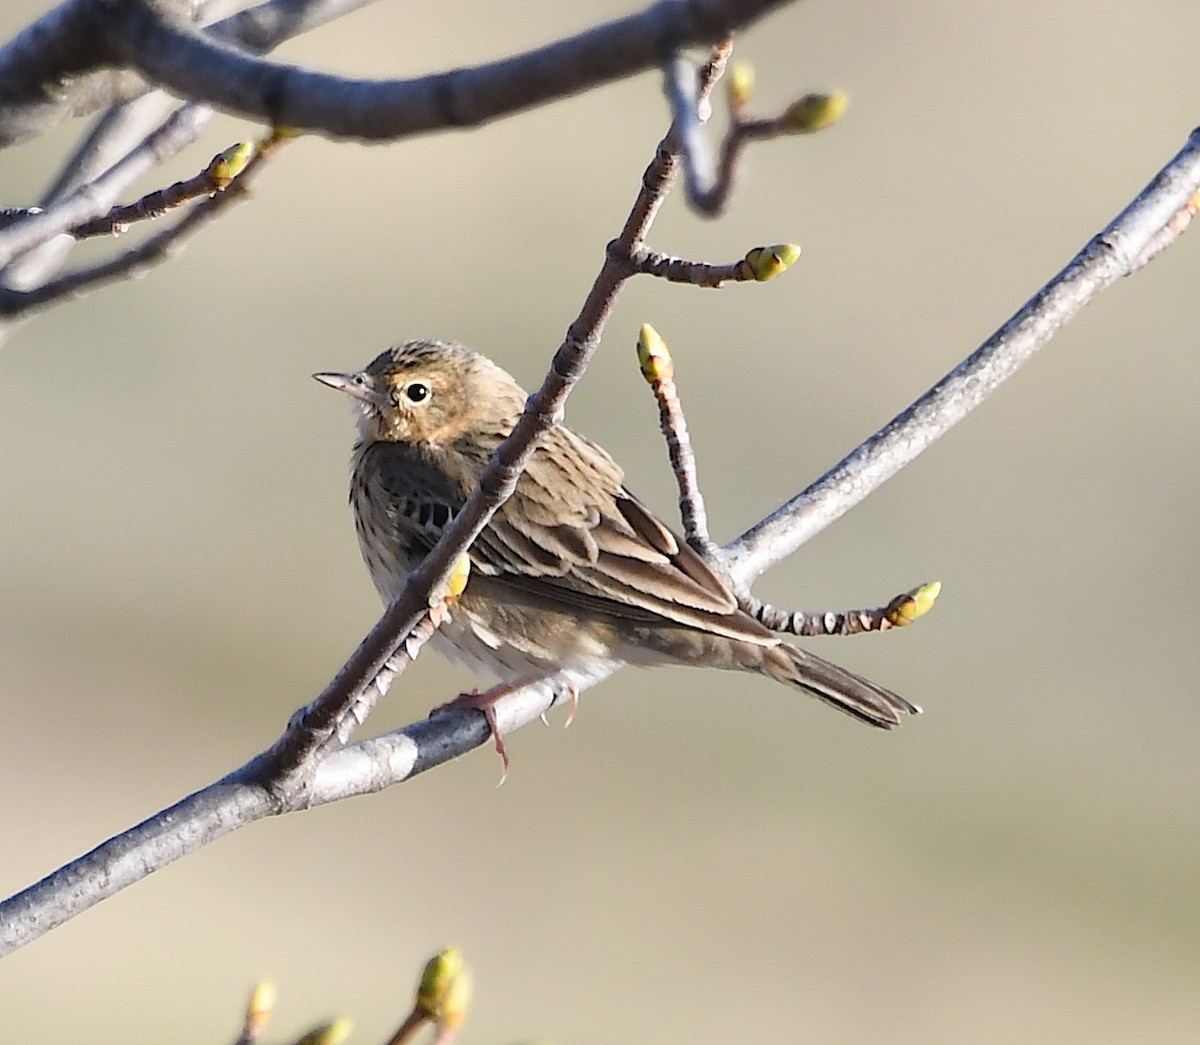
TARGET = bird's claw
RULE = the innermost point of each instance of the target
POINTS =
(485, 702)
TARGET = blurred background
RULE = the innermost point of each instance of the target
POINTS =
(701, 857)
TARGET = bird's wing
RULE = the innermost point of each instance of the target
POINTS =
(572, 534)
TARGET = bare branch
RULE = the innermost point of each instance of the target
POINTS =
(1147, 224)
(216, 177)
(144, 35)
(44, 74)
(151, 251)
(898, 612)
(708, 184)
(758, 266)
(657, 367)
(371, 765)
(93, 199)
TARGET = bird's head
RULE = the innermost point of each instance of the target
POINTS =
(430, 392)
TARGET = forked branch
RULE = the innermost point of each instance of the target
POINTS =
(1152, 221)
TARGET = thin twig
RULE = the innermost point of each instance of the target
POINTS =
(710, 186)
(758, 266)
(216, 177)
(658, 368)
(900, 611)
(153, 250)
(91, 200)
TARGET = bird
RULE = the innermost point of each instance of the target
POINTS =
(573, 573)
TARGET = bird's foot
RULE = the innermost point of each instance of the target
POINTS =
(573, 696)
(485, 702)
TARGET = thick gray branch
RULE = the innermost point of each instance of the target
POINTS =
(51, 70)
(170, 52)
(1120, 249)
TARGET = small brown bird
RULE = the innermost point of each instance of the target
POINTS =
(573, 572)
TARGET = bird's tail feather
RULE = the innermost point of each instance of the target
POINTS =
(846, 691)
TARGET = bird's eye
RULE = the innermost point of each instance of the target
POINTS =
(416, 392)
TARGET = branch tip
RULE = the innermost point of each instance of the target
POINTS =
(227, 165)
(814, 112)
(765, 263)
(904, 609)
(654, 358)
(740, 86)
(335, 1033)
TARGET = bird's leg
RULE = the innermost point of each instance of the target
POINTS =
(486, 702)
(572, 692)
(573, 696)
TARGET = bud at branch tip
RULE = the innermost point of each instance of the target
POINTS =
(654, 357)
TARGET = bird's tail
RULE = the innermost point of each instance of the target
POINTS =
(846, 691)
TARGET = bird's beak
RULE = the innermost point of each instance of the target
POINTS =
(361, 386)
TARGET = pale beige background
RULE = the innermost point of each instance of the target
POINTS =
(699, 858)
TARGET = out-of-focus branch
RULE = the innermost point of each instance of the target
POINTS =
(153, 250)
(709, 184)
(169, 51)
(107, 161)
(44, 70)
(149, 36)
(91, 200)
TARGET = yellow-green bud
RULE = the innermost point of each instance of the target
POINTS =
(227, 165)
(654, 357)
(445, 989)
(741, 84)
(815, 112)
(457, 582)
(911, 606)
(456, 1001)
(766, 263)
(334, 1033)
(260, 1006)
